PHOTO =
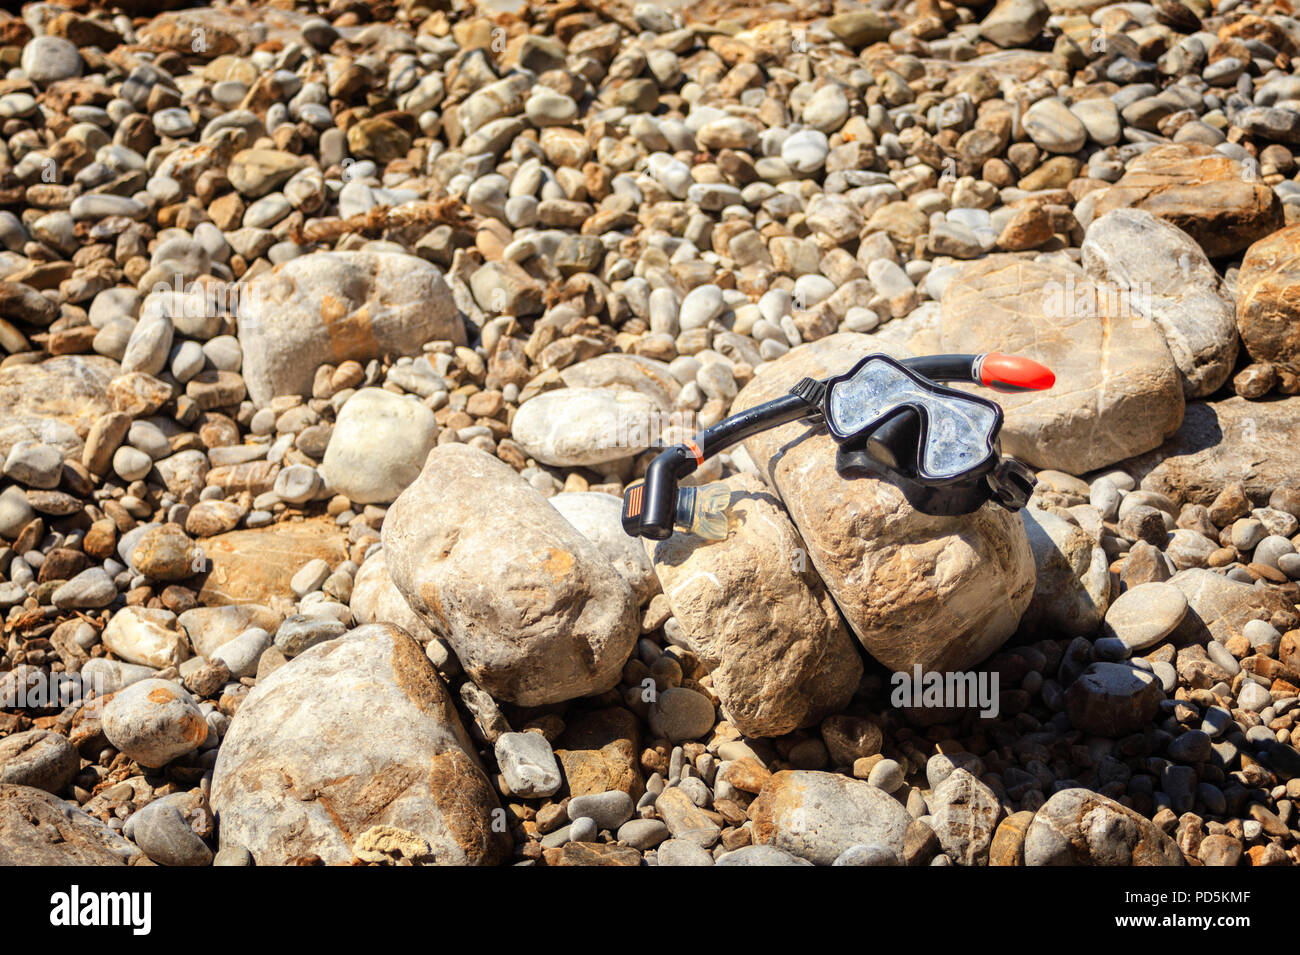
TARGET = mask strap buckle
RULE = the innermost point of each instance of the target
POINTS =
(1011, 483)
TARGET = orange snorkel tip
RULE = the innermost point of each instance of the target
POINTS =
(1014, 373)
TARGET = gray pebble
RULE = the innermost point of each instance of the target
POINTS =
(528, 764)
(887, 775)
(682, 852)
(642, 834)
(233, 856)
(583, 829)
(760, 856)
(167, 838)
(91, 589)
(300, 632)
(609, 809)
(39, 758)
(872, 855)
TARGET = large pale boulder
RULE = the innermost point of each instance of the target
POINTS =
(37, 828)
(753, 608)
(816, 816)
(257, 565)
(1081, 827)
(599, 517)
(942, 592)
(1268, 302)
(1218, 608)
(1072, 578)
(335, 306)
(1171, 283)
(1117, 392)
(376, 599)
(1221, 442)
(581, 427)
(1208, 195)
(55, 401)
(533, 609)
(619, 371)
(378, 445)
(297, 779)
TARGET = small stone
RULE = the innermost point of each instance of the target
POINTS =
(806, 150)
(297, 484)
(207, 679)
(871, 855)
(1220, 850)
(859, 28)
(1008, 848)
(684, 819)
(1014, 23)
(817, 816)
(48, 59)
(682, 852)
(528, 764)
(850, 738)
(965, 813)
(1052, 126)
(1113, 699)
(1079, 827)
(1253, 697)
(15, 512)
(255, 172)
(680, 714)
(700, 306)
(309, 577)
(760, 856)
(642, 834)
(1144, 615)
(301, 632)
(38, 758)
(1192, 746)
(131, 464)
(167, 837)
(153, 722)
(242, 654)
(165, 553)
(378, 445)
(35, 465)
(230, 855)
(887, 775)
(91, 589)
(146, 636)
(609, 810)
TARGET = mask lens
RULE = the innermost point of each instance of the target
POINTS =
(958, 431)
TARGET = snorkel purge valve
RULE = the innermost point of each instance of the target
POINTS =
(890, 419)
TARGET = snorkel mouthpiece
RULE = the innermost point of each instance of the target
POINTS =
(702, 511)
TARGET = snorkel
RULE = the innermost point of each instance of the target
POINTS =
(890, 419)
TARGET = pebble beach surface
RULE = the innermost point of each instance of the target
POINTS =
(332, 333)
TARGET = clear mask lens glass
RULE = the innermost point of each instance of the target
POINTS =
(958, 432)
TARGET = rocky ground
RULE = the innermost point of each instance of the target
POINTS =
(331, 335)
